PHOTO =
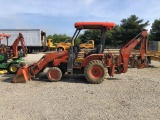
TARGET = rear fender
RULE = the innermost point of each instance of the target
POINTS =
(15, 61)
(90, 58)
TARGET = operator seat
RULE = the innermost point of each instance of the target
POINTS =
(98, 50)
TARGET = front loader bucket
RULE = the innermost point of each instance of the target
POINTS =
(22, 75)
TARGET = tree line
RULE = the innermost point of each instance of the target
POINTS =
(119, 35)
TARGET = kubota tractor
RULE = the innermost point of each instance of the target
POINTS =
(94, 65)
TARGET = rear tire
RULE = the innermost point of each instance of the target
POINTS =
(95, 72)
(54, 74)
(13, 68)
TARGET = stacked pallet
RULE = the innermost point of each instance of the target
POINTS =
(155, 55)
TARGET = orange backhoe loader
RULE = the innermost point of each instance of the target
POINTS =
(10, 57)
(94, 65)
(13, 51)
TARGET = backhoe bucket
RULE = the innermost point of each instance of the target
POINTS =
(22, 75)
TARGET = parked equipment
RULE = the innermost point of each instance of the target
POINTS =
(51, 45)
(88, 45)
(67, 43)
(11, 57)
(35, 39)
(64, 45)
(94, 65)
(13, 51)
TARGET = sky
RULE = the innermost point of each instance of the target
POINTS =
(59, 16)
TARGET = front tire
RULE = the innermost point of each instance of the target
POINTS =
(13, 68)
(95, 72)
(54, 74)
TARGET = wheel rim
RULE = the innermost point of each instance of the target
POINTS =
(13, 68)
(54, 74)
(96, 72)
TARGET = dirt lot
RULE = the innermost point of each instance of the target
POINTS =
(134, 95)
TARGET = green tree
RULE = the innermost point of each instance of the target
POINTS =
(120, 34)
(58, 38)
(90, 35)
(155, 31)
(129, 28)
(78, 41)
(113, 37)
(49, 37)
(95, 35)
(55, 38)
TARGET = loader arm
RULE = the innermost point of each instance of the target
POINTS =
(48, 60)
(25, 73)
(125, 52)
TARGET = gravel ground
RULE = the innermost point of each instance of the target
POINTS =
(134, 95)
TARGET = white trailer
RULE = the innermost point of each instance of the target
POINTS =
(35, 39)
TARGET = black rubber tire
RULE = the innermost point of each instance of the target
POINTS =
(96, 66)
(13, 66)
(60, 49)
(63, 71)
(54, 72)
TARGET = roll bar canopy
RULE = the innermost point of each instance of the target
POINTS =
(4, 35)
(94, 25)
